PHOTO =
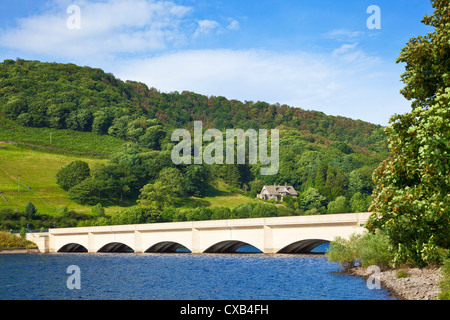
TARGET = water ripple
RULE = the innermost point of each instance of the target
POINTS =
(179, 277)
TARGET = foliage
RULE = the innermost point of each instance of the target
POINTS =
(445, 282)
(364, 249)
(344, 251)
(30, 210)
(412, 187)
(312, 199)
(72, 174)
(166, 191)
(11, 241)
(66, 108)
(340, 205)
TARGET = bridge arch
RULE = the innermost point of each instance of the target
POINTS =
(73, 247)
(229, 246)
(116, 247)
(167, 247)
(302, 246)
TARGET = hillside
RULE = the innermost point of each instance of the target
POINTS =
(65, 96)
(64, 112)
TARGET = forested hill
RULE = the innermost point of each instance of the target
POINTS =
(66, 96)
(329, 160)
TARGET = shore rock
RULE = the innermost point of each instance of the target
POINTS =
(418, 284)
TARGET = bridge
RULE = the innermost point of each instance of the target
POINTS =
(292, 234)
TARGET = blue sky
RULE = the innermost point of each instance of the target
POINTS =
(317, 55)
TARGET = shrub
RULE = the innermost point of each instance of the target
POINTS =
(445, 282)
(344, 251)
(373, 249)
(363, 249)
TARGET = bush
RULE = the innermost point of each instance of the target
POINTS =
(374, 250)
(11, 241)
(344, 251)
(445, 283)
(361, 249)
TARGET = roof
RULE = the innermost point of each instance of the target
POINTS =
(276, 190)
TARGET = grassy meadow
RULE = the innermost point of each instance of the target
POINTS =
(37, 169)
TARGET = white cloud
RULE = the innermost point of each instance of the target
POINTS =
(344, 35)
(234, 25)
(328, 83)
(205, 27)
(107, 28)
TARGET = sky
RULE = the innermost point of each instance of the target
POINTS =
(332, 56)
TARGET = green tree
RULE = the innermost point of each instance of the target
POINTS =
(152, 138)
(311, 199)
(412, 192)
(195, 180)
(98, 211)
(339, 205)
(30, 210)
(15, 107)
(165, 192)
(87, 191)
(358, 203)
(72, 174)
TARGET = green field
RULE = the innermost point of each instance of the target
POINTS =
(218, 196)
(37, 169)
(59, 140)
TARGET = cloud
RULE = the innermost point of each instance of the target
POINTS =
(145, 40)
(234, 25)
(344, 35)
(205, 27)
(332, 83)
(107, 28)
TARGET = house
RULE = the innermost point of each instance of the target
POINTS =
(277, 192)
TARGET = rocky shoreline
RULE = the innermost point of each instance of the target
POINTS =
(413, 284)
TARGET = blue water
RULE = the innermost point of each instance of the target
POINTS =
(180, 277)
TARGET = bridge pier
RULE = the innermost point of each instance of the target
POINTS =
(268, 240)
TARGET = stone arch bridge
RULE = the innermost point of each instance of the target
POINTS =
(293, 234)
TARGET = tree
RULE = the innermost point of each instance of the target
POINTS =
(358, 203)
(152, 138)
(72, 174)
(87, 191)
(98, 211)
(195, 180)
(30, 210)
(165, 192)
(340, 205)
(15, 107)
(412, 187)
(311, 199)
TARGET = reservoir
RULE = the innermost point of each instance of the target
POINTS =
(129, 276)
